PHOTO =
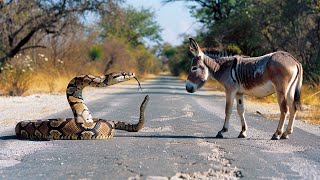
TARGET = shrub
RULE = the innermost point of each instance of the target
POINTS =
(95, 53)
(15, 76)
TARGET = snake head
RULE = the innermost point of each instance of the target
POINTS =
(118, 77)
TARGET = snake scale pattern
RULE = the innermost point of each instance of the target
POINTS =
(82, 126)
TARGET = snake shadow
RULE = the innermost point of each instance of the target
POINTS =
(8, 137)
(14, 137)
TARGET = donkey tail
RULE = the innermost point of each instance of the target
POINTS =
(297, 93)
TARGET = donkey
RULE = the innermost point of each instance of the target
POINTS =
(277, 72)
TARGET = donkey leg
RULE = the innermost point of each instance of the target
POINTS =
(283, 109)
(292, 112)
(240, 109)
(229, 102)
(289, 129)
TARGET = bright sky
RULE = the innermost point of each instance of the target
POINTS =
(174, 18)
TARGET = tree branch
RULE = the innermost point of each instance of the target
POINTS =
(27, 18)
(24, 41)
(4, 3)
(32, 47)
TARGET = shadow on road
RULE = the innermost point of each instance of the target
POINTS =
(14, 137)
(170, 137)
(164, 93)
(10, 137)
(147, 87)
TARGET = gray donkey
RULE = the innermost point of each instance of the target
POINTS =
(277, 72)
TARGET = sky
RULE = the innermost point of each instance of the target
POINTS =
(174, 18)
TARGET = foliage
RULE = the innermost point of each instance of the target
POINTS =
(71, 47)
(123, 33)
(233, 48)
(132, 25)
(25, 23)
(178, 57)
(15, 77)
(147, 63)
(120, 55)
(95, 53)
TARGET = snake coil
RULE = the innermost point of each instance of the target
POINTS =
(82, 126)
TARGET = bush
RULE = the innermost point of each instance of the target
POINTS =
(95, 53)
(15, 77)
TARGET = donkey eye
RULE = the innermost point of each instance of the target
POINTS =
(194, 68)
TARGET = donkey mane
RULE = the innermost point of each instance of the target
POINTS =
(216, 53)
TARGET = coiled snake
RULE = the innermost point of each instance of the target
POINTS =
(82, 126)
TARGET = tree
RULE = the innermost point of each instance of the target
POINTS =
(95, 53)
(132, 25)
(178, 57)
(124, 33)
(23, 21)
(209, 11)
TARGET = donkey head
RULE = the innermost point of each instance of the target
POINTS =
(199, 73)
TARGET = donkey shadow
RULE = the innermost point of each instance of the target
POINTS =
(169, 137)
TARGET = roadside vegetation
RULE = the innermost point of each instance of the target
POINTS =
(43, 44)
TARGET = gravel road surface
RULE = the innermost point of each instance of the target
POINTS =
(178, 141)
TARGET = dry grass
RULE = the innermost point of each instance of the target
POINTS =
(310, 99)
(43, 83)
(310, 95)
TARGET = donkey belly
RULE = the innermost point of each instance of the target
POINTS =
(261, 90)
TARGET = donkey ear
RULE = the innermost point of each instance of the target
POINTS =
(194, 47)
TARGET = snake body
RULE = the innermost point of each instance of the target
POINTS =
(82, 126)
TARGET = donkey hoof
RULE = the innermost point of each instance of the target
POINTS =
(275, 137)
(242, 135)
(219, 135)
(284, 136)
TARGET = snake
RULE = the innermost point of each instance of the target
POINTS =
(83, 126)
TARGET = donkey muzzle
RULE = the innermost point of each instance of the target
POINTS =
(190, 87)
